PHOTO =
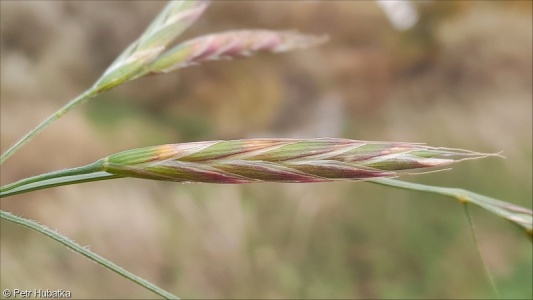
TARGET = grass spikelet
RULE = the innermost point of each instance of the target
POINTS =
(173, 20)
(279, 160)
(169, 24)
(231, 45)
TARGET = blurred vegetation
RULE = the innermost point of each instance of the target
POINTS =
(460, 78)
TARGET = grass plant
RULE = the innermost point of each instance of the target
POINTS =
(238, 161)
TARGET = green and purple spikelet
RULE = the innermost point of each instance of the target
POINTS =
(231, 45)
(279, 160)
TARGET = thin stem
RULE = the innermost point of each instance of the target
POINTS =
(87, 253)
(58, 114)
(92, 172)
(474, 237)
(92, 168)
(518, 215)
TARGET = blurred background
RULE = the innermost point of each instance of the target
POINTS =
(454, 74)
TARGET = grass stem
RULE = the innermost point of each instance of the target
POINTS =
(517, 215)
(85, 252)
(92, 172)
(58, 114)
(476, 244)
